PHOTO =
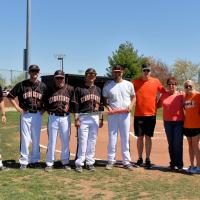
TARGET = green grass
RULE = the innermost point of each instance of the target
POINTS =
(59, 184)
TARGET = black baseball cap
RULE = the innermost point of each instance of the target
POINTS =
(59, 73)
(146, 66)
(118, 68)
(33, 68)
(90, 71)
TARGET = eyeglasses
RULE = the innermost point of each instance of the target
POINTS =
(146, 70)
(188, 86)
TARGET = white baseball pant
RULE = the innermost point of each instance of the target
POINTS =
(121, 123)
(30, 127)
(87, 136)
(61, 123)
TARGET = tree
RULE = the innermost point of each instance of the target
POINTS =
(184, 70)
(128, 57)
(159, 70)
(2, 81)
(18, 78)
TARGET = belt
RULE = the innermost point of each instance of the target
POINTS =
(59, 114)
(32, 111)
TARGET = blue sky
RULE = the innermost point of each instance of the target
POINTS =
(88, 31)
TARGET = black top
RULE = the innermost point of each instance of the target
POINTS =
(88, 99)
(29, 94)
(58, 100)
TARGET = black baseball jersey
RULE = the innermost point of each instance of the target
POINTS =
(29, 95)
(88, 99)
(1, 94)
(58, 100)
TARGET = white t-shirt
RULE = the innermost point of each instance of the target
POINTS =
(119, 94)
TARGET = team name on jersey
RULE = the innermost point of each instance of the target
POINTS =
(58, 98)
(90, 97)
(31, 94)
(189, 104)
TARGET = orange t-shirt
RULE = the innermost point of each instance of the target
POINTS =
(192, 111)
(146, 96)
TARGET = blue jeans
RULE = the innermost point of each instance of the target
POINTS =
(174, 132)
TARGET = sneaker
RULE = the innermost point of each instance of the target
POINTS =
(48, 168)
(109, 166)
(139, 162)
(148, 164)
(79, 169)
(191, 169)
(35, 165)
(67, 167)
(197, 170)
(90, 167)
(23, 167)
(129, 167)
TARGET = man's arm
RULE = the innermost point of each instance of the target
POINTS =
(2, 107)
(14, 103)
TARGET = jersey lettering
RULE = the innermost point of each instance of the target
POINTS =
(90, 97)
(31, 94)
(189, 104)
(58, 98)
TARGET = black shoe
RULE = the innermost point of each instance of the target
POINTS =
(35, 165)
(139, 162)
(90, 167)
(148, 164)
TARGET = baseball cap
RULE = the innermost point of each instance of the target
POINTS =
(59, 73)
(117, 68)
(146, 66)
(33, 68)
(90, 71)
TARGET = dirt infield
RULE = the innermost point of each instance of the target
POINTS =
(159, 155)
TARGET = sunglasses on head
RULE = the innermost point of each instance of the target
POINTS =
(188, 86)
(146, 70)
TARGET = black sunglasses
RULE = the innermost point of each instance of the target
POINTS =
(59, 78)
(34, 70)
(146, 70)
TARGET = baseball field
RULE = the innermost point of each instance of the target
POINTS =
(157, 183)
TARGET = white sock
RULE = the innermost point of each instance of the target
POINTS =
(1, 164)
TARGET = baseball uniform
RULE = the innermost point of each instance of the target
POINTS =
(57, 103)
(88, 105)
(118, 95)
(30, 100)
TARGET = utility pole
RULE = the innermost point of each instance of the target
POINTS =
(28, 43)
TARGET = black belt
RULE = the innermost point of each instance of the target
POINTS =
(32, 111)
(59, 114)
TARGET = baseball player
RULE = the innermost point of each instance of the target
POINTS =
(30, 106)
(120, 97)
(3, 120)
(57, 101)
(88, 118)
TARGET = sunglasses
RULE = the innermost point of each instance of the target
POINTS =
(171, 84)
(34, 71)
(188, 86)
(146, 70)
(59, 78)
(90, 74)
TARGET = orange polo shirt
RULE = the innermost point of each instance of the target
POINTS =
(146, 96)
(192, 111)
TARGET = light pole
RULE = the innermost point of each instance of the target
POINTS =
(28, 33)
(60, 57)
